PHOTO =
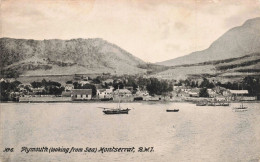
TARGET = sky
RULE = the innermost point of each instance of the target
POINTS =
(152, 30)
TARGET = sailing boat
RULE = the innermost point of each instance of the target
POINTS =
(117, 110)
(241, 107)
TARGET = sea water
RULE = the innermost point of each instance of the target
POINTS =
(193, 134)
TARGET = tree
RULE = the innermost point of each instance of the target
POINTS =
(170, 88)
(193, 84)
(69, 82)
(55, 90)
(205, 83)
(90, 86)
(97, 80)
(204, 92)
(143, 82)
(187, 82)
(6, 90)
(252, 85)
(36, 84)
(158, 87)
(154, 87)
(119, 85)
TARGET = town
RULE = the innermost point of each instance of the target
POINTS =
(127, 88)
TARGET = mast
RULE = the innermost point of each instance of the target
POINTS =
(118, 105)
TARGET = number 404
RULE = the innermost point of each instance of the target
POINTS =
(8, 150)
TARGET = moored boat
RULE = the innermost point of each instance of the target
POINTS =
(218, 104)
(201, 104)
(174, 110)
(116, 111)
(106, 99)
(241, 107)
(225, 104)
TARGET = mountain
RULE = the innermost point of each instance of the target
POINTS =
(237, 42)
(56, 57)
(233, 69)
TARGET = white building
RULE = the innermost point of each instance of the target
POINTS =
(105, 93)
(81, 94)
(69, 87)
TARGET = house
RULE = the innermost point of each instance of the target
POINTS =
(238, 94)
(211, 93)
(123, 92)
(193, 92)
(101, 93)
(110, 90)
(226, 93)
(105, 93)
(176, 88)
(81, 94)
(69, 87)
(130, 88)
(183, 94)
(142, 93)
(182, 88)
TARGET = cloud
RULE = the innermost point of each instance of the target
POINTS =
(153, 30)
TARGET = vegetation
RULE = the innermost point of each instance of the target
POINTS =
(203, 92)
(231, 66)
(97, 80)
(69, 82)
(188, 82)
(206, 84)
(248, 83)
(50, 87)
(252, 85)
(158, 87)
(6, 89)
(153, 68)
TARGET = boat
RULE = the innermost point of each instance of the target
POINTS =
(201, 103)
(224, 104)
(106, 99)
(218, 103)
(241, 107)
(174, 110)
(118, 110)
(211, 104)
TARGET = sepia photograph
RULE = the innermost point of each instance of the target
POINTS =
(129, 80)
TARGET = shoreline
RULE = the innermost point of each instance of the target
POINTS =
(95, 101)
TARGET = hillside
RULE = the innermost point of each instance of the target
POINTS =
(236, 42)
(46, 57)
(223, 70)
